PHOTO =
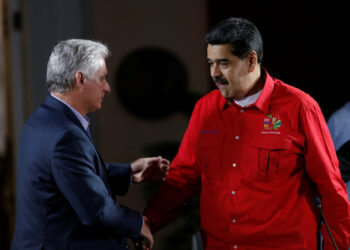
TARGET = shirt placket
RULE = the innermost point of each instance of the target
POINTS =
(234, 145)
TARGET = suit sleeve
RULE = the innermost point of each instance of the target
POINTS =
(74, 170)
(119, 176)
(182, 181)
(323, 168)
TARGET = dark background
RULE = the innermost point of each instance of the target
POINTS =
(305, 43)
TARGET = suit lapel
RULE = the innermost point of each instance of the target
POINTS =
(61, 107)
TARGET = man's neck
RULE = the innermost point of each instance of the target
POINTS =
(68, 98)
(259, 82)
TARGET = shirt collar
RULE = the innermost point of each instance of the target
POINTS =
(84, 120)
(263, 102)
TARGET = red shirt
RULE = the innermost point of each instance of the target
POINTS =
(258, 170)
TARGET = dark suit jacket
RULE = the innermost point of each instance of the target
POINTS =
(65, 192)
(343, 154)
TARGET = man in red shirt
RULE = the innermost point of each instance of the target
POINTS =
(259, 152)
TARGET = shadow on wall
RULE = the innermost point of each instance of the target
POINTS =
(152, 83)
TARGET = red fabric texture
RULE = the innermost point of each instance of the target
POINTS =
(257, 169)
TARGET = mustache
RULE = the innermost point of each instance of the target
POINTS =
(221, 80)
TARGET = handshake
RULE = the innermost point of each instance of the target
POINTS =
(145, 241)
(148, 169)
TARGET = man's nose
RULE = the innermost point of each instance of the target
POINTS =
(215, 71)
(107, 88)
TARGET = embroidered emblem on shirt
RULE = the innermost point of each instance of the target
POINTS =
(272, 122)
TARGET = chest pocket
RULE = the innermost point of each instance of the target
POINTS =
(272, 159)
(209, 150)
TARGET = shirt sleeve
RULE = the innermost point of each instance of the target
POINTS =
(74, 170)
(182, 181)
(322, 166)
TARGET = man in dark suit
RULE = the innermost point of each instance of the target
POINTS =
(65, 192)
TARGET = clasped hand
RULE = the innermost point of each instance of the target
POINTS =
(145, 241)
(149, 169)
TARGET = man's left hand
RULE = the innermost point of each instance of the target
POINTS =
(149, 169)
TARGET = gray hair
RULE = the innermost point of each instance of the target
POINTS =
(70, 56)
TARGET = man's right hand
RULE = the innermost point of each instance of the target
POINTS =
(146, 238)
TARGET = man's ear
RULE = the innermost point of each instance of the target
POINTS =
(252, 60)
(80, 79)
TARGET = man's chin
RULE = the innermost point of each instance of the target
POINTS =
(95, 108)
(225, 94)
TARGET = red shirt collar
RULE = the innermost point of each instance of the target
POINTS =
(263, 102)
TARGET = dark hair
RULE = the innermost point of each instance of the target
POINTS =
(242, 34)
